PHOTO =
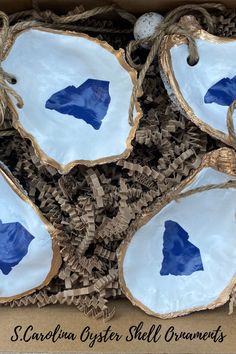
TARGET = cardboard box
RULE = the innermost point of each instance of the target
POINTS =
(20, 328)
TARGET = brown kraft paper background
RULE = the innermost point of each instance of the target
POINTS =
(70, 320)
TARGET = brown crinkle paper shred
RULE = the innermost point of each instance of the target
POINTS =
(94, 207)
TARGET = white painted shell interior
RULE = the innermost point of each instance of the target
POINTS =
(35, 266)
(209, 219)
(217, 61)
(45, 63)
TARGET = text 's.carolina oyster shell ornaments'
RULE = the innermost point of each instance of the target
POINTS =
(29, 254)
(204, 91)
(180, 256)
(76, 92)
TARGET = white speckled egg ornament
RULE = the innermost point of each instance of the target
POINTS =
(146, 25)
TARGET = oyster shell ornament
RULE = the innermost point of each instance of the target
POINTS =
(76, 92)
(180, 256)
(29, 254)
(203, 91)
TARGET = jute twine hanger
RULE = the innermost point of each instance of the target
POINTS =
(79, 13)
(208, 187)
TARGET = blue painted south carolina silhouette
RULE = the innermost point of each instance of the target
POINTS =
(14, 244)
(89, 101)
(222, 93)
(181, 257)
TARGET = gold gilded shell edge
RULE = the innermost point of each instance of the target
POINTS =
(56, 260)
(223, 160)
(64, 169)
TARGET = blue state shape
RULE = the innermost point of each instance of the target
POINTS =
(181, 257)
(14, 244)
(222, 93)
(89, 101)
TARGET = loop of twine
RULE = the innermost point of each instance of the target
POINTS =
(77, 15)
(208, 187)
(169, 26)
